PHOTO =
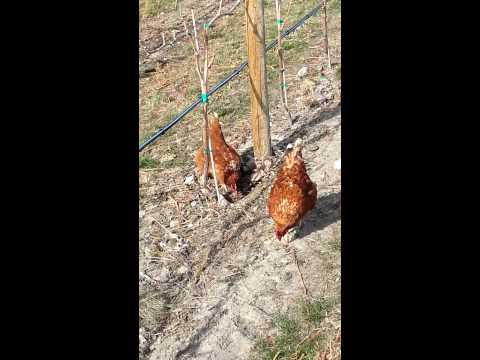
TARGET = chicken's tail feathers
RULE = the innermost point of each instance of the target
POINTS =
(296, 145)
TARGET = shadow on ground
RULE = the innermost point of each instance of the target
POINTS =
(245, 184)
(327, 211)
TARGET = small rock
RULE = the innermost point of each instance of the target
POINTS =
(144, 177)
(160, 275)
(193, 203)
(182, 270)
(338, 165)
(142, 340)
(302, 72)
(288, 275)
(172, 241)
(313, 103)
(174, 223)
(189, 180)
(141, 214)
(267, 163)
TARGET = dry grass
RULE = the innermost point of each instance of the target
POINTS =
(165, 164)
(174, 86)
(303, 332)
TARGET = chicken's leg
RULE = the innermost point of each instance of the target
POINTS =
(225, 189)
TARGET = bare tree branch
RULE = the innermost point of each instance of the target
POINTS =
(211, 61)
(203, 77)
(219, 14)
(281, 61)
(325, 20)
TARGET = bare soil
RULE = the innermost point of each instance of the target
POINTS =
(211, 278)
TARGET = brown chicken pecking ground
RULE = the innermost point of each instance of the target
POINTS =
(227, 160)
(293, 194)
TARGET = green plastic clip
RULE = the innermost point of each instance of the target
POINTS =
(204, 98)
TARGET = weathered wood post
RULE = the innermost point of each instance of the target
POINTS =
(255, 38)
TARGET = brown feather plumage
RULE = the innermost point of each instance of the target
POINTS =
(293, 194)
(227, 161)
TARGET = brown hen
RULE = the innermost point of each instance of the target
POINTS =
(293, 194)
(227, 161)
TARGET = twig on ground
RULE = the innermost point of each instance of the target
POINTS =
(166, 229)
(276, 355)
(146, 277)
(298, 268)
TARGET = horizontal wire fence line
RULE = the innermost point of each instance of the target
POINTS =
(221, 83)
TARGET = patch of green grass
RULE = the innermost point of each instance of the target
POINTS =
(231, 107)
(146, 162)
(263, 350)
(335, 6)
(160, 121)
(294, 43)
(177, 161)
(158, 97)
(289, 334)
(222, 111)
(298, 335)
(314, 311)
(155, 7)
(193, 92)
(338, 72)
(215, 35)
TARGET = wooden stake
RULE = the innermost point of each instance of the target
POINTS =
(325, 21)
(255, 39)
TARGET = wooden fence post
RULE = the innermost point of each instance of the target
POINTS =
(255, 38)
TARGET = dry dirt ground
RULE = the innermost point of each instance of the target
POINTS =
(212, 279)
(220, 278)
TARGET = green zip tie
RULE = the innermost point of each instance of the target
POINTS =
(283, 85)
(279, 21)
(205, 26)
(204, 98)
(206, 151)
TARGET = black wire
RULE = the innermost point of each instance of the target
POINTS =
(220, 84)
